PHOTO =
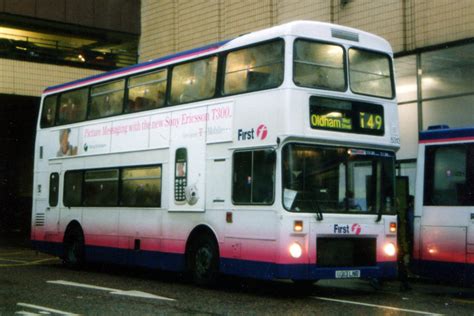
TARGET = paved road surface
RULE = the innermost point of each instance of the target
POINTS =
(37, 284)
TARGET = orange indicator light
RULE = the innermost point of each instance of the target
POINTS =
(393, 227)
(298, 226)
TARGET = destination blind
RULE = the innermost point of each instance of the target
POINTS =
(346, 116)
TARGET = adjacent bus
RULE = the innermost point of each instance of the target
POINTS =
(268, 156)
(444, 205)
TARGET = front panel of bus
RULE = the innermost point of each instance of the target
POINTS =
(326, 142)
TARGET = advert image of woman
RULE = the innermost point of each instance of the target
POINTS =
(65, 148)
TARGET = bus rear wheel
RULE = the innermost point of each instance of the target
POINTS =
(204, 261)
(74, 250)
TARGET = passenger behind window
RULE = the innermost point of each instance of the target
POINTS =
(263, 188)
(66, 111)
(257, 80)
(190, 90)
(349, 202)
(107, 109)
(151, 99)
(47, 119)
(95, 108)
(131, 106)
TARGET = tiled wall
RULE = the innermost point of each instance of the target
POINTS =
(169, 26)
(440, 21)
(317, 10)
(384, 18)
(30, 79)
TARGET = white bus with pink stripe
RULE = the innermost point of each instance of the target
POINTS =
(443, 223)
(269, 156)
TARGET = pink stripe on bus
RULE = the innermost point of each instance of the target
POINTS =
(456, 139)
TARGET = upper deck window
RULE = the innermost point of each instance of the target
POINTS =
(370, 73)
(107, 99)
(48, 115)
(146, 92)
(319, 65)
(194, 80)
(73, 106)
(254, 68)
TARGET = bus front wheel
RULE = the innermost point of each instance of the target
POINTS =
(204, 261)
(74, 250)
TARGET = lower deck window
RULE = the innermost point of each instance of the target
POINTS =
(138, 186)
(101, 187)
(254, 177)
(53, 189)
(141, 186)
(73, 188)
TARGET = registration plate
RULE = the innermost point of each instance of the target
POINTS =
(347, 274)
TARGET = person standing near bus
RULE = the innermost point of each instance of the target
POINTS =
(404, 246)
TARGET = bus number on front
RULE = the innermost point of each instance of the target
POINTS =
(370, 121)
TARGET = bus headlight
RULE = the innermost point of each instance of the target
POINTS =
(295, 250)
(390, 249)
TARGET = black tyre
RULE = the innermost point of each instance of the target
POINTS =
(74, 249)
(204, 261)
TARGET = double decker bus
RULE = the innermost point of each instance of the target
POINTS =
(443, 245)
(268, 156)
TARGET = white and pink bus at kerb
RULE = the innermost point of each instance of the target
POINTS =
(443, 246)
(269, 156)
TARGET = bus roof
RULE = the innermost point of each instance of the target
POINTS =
(447, 135)
(310, 29)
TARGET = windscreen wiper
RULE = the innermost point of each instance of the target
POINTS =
(319, 213)
(379, 215)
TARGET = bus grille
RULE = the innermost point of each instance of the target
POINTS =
(346, 252)
(39, 220)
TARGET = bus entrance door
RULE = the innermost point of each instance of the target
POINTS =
(51, 224)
